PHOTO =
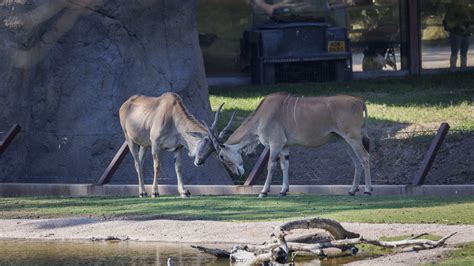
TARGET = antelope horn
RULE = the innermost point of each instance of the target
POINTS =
(226, 129)
(218, 112)
(215, 141)
(207, 128)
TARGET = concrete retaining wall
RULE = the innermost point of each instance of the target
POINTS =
(82, 190)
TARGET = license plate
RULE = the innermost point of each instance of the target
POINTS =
(336, 46)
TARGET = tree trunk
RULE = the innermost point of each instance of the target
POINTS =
(67, 67)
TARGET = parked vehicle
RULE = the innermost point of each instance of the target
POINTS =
(295, 44)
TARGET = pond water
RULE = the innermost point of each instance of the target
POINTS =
(58, 252)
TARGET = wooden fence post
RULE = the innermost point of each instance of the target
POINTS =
(114, 164)
(425, 166)
(7, 140)
(258, 167)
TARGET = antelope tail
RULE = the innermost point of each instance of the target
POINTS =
(365, 136)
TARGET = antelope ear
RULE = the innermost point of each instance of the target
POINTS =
(196, 134)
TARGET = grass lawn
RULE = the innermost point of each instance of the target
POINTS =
(375, 209)
(423, 100)
(463, 256)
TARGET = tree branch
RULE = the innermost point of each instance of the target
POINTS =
(280, 250)
(333, 227)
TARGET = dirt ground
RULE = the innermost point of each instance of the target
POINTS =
(395, 159)
(224, 233)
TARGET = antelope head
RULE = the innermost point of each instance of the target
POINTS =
(230, 155)
(206, 144)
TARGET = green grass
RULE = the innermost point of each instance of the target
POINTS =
(452, 210)
(422, 100)
(462, 256)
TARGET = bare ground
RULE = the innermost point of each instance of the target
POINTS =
(213, 232)
(395, 159)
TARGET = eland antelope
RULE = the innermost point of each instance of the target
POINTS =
(282, 120)
(165, 123)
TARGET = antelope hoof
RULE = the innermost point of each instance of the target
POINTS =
(263, 195)
(143, 195)
(367, 193)
(283, 193)
(352, 193)
(155, 195)
(185, 194)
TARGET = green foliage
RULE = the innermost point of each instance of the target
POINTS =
(375, 209)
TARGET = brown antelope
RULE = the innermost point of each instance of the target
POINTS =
(165, 123)
(282, 120)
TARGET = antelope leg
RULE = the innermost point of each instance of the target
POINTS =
(357, 171)
(272, 164)
(179, 175)
(156, 170)
(284, 164)
(138, 153)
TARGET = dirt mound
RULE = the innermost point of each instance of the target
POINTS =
(395, 159)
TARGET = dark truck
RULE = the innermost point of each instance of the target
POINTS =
(292, 48)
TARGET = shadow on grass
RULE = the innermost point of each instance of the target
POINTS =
(437, 91)
(427, 90)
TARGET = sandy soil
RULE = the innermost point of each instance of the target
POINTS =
(207, 232)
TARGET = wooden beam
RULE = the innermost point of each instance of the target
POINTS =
(430, 156)
(114, 164)
(258, 167)
(7, 140)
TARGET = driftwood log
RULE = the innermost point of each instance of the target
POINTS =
(340, 243)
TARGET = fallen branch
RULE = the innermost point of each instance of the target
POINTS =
(333, 227)
(311, 238)
(279, 250)
(418, 236)
(278, 254)
(220, 253)
(312, 247)
(423, 243)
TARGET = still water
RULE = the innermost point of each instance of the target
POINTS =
(30, 252)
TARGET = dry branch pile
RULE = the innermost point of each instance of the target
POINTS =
(340, 243)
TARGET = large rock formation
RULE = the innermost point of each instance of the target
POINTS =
(67, 66)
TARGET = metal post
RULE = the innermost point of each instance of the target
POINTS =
(114, 164)
(425, 166)
(7, 140)
(258, 167)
